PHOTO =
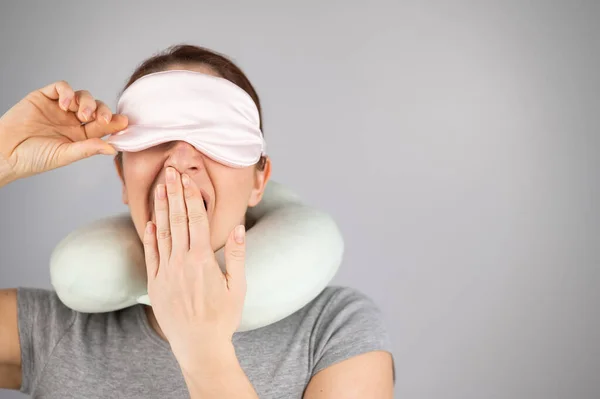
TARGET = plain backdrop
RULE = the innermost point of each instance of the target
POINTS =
(456, 144)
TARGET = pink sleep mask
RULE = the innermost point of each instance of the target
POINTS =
(211, 113)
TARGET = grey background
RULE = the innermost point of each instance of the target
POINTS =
(456, 143)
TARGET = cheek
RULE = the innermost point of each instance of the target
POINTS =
(137, 183)
(234, 186)
(232, 190)
(138, 176)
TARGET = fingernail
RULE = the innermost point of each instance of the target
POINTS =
(85, 114)
(170, 175)
(239, 234)
(185, 179)
(160, 191)
(65, 103)
(106, 118)
(149, 227)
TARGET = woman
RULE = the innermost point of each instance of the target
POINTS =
(184, 345)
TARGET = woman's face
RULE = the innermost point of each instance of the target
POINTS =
(228, 191)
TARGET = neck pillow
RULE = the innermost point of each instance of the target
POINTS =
(292, 250)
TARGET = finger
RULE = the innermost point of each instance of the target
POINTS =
(61, 91)
(178, 218)
(99, 128)
(151, 251)
(103, 113)
(197, 217)
(235, 260)
(87, 105)
(163, 229)
(72, 152)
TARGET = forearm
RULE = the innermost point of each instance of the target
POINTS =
(216, 373)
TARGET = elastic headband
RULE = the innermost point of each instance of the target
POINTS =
(211, 113)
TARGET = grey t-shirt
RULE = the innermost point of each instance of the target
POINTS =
(67, 354)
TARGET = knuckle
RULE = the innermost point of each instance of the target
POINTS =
(102, 106)
(86, 99)
(163, 234)
(148, 240)
(189, 194)
(62, 84)
(63, 88)
(172, 190)
(161, 204)
(178, 218)
(238, 253)
(197, 218)
(88, 152)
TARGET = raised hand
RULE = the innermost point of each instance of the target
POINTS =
(193, 301)
(53, 127)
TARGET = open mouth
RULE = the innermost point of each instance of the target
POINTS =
(205, 199)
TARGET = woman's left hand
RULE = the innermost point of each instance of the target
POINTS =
(194, 302)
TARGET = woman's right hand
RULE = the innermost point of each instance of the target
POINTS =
(53, 127)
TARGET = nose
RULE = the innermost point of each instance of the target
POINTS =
(184, 157)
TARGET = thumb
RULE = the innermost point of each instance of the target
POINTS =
(98, 128)
(72, 152)
(235, 260)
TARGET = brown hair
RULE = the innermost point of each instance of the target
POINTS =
(189, 54)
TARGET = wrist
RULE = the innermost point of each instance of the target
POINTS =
(209, 368)
(214, 371)
(219, 354)
(7, 174)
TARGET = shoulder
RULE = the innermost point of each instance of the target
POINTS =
(42, 321)
(345, 322)
(43, 308)
(49, 328)
(336, 293)
(34, 293)
(39, 304)
(344, 303)
(42, 318)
